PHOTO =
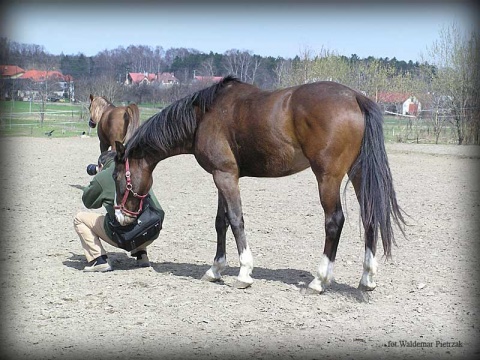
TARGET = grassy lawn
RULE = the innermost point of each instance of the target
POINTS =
(400, 129)
(22, 118)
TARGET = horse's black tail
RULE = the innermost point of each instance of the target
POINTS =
(378, 202)
(132, 115)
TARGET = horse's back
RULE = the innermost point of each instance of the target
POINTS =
(282, 132)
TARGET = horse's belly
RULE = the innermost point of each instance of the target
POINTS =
(277, 164)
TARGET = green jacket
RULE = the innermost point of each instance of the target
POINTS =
(101, 192)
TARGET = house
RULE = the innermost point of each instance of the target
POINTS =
(163, 79)
(167, 79)
(399, 103)
(10, 71)
(139, 78)
(60, 86)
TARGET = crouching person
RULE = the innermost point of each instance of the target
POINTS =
(92, 228)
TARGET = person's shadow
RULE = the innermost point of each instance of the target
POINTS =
(118, 260)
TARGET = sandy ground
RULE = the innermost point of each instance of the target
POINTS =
(425, 302)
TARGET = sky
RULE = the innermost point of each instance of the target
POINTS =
(404, 30)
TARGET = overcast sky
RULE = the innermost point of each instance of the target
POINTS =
(403, 30)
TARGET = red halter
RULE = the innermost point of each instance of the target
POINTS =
(128, 189)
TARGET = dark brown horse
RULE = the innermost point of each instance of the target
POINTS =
(115, 123)
(235, 129)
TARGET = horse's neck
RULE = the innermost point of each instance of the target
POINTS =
(155, 156)
(162, 155)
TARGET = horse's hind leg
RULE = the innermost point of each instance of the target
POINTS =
(329, 189)
(369, 262)
(221, 226)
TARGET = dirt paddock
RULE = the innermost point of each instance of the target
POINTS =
(425, 304)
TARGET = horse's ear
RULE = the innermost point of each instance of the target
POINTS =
(91, 97)
(120, 150)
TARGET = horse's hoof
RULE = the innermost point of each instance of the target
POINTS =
(209, 278)
(241, 284)
(367, 287)
(310, 291)
(315, 287)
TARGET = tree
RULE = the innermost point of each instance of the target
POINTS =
(207, 67)
(456, 56)
(241, 64)
(100, 86)
(141, 92)
(46, 86)
(284, 73)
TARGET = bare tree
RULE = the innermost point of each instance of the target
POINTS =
(241, 64)
(140, 93)
(256, 62)
(46, 86)
(456, 57)
(207, 67)
(101, 86)
(284, 73)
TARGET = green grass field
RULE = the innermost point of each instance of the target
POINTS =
(400, 129)
(19, 118)
(22, 118)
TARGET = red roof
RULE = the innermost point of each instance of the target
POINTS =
(392, 97)
(40, 75)
(139, 77)
(10, 70)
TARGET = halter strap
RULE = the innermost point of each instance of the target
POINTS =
(129, 188)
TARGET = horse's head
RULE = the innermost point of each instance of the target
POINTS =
(133, 180)
(96, 109)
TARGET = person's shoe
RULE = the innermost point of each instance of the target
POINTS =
(100, 264)
(142, 258)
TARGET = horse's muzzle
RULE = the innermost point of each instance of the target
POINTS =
(124, 219)
(92, 124)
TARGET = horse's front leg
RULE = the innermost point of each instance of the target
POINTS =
(221, 226)
(104, 147)
(227, 184)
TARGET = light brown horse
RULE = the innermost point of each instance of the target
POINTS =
(235, 129)
(115, 123)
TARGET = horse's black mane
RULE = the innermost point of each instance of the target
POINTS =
(174, 124)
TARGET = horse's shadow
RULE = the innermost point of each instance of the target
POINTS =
(297, 278)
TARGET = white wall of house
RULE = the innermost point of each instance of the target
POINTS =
(406, 105)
